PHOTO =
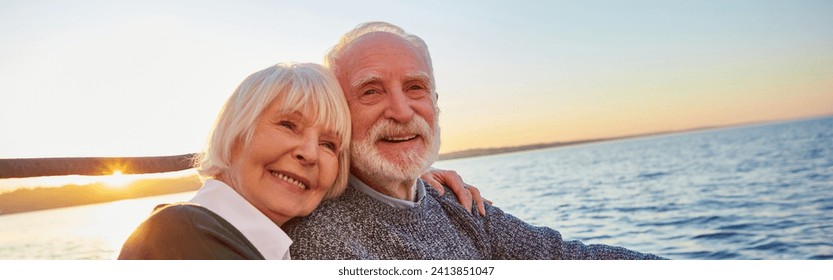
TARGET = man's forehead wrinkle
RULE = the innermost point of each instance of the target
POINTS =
(380, 43)
(369, 45)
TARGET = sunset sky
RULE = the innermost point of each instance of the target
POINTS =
(147, 78)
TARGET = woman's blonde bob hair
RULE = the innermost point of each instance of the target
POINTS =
(296, 86)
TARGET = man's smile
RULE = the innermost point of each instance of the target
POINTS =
(399, 138)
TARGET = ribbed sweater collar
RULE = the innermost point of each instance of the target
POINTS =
(381, 210)
(419, 186)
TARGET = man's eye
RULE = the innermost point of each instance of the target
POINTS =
(370, 92)
(416, 87)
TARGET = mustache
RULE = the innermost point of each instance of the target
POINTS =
(417, 125)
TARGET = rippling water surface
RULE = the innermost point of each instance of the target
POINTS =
(758, 192)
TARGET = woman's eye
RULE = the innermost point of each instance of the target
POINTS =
(288, 124)
(329, 145)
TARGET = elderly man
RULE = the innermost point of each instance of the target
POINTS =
(387, 212)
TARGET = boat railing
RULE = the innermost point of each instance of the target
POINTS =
(92, 166)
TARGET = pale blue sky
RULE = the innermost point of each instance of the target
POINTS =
(135, 78)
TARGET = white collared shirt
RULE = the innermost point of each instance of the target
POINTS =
(392, 201)
(267, 237)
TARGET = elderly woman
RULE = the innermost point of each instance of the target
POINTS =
(279, 146)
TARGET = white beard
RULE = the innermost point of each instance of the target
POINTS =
(406, 166)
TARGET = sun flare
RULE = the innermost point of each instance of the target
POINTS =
(117, 179)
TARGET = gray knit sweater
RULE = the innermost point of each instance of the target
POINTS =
(356, 226)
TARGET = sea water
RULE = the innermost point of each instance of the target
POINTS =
(755, 192)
